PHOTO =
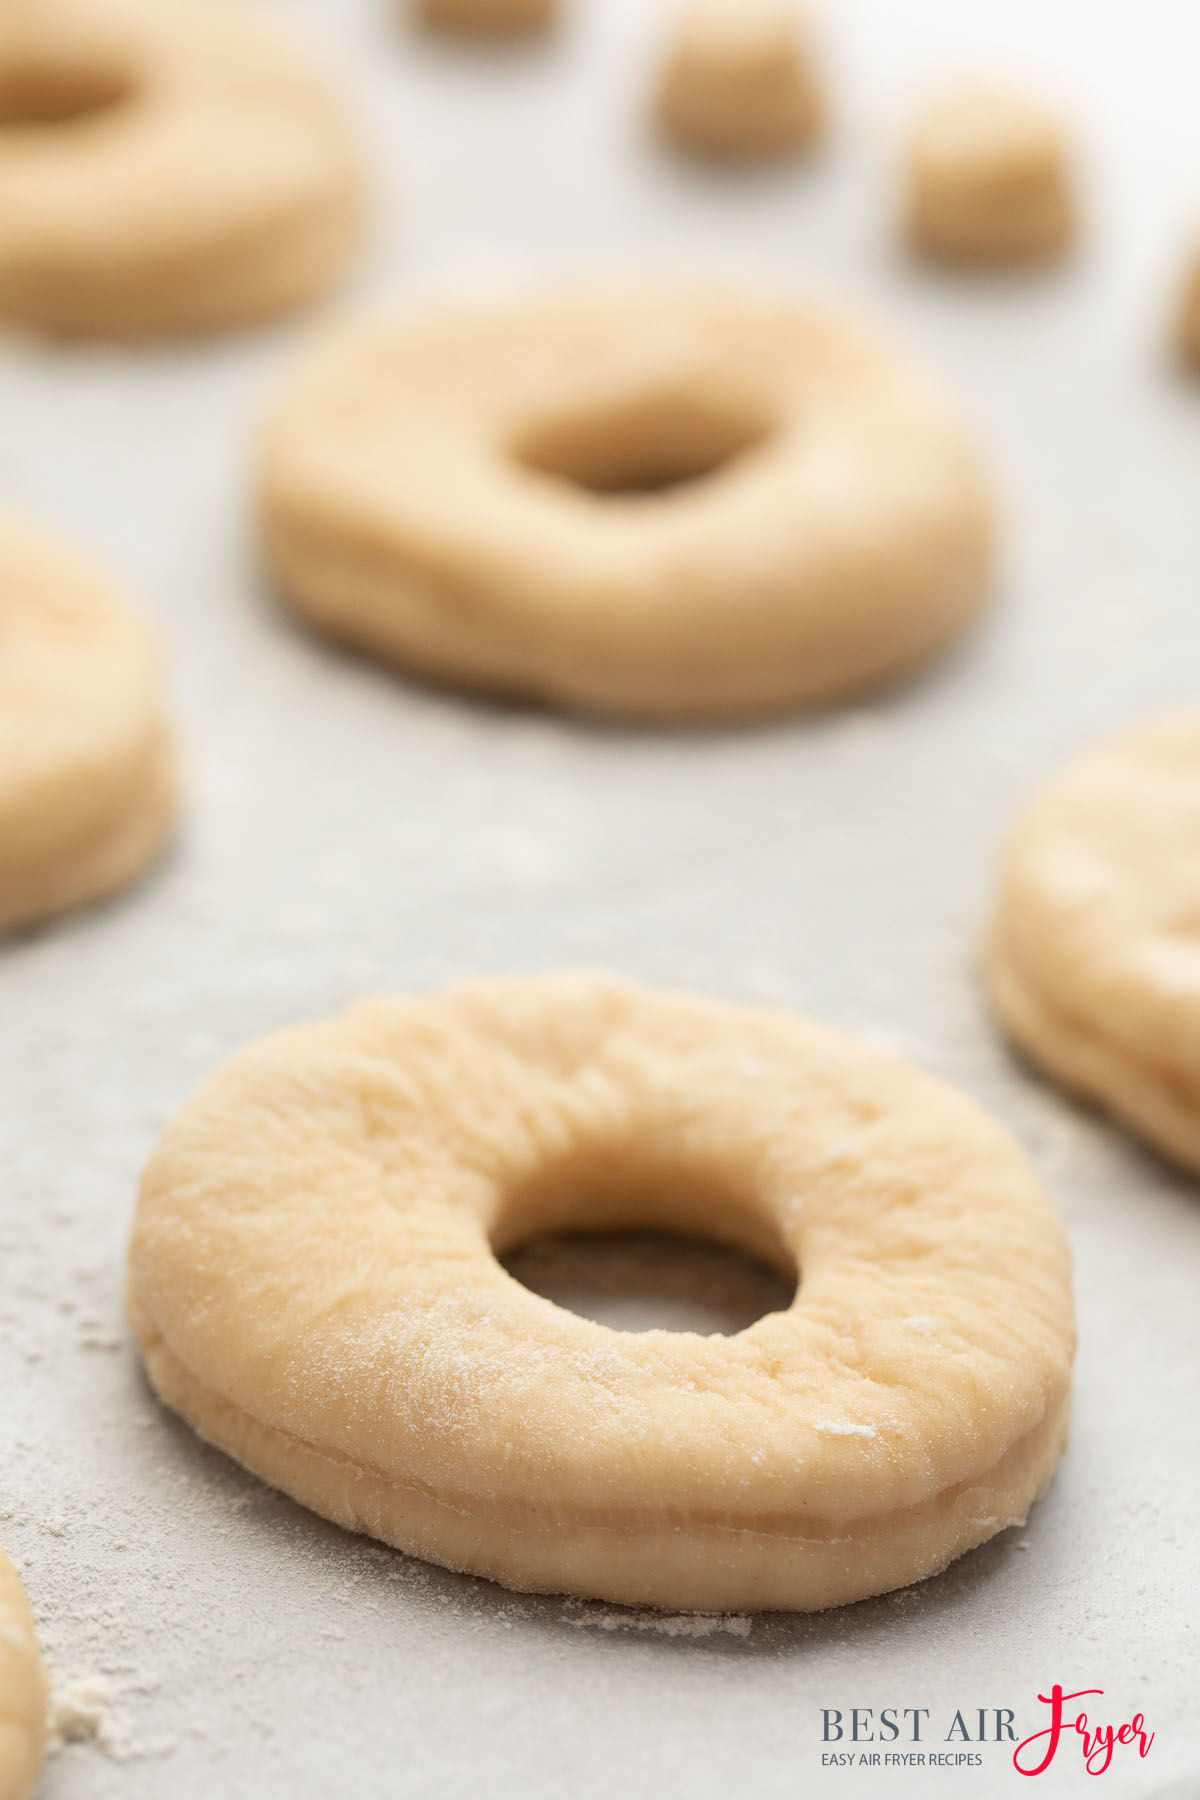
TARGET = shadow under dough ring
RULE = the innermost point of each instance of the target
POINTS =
(87, 769)
(664, 502)
(165, 166)
(314, 1285)
(22, 1690)
(1094, 953)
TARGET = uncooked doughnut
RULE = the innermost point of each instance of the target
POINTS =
(660, 501)
(87, 776)
(500, 16)
(22, 1690)
(739, 79)
(988, 177)
(165, 166)
(1095, 944)
(1187, 318)
(314, 1285)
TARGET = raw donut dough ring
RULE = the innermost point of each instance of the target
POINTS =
(314, 1285)
(1094, 957)
(444, 489)
(87, 770)
(165, 166)
(489, 17)
(22, 1690)
(1186, 333)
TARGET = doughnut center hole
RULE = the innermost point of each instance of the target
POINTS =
(644, 1248)
(49, 94)
(649, 1281)
(640, 448)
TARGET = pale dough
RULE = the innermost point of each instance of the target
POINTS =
(165, 166)
(87, 772)
(988, 177)
(314, 1285)
(22, 1690)
(1095, 943)
(463, 489)
(739, 79)
(1187, 317)
(488, 15)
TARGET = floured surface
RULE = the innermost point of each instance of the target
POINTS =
(87, 780)
(349, 834)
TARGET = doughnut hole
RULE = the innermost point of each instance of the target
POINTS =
(648, 445)
(55, 93)
(642, 1244)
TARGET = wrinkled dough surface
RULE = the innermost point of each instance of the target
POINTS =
(314, 1284)
(165, 166)
(450, 489)
(1095, 942)
(22, 1690)
(87, 773)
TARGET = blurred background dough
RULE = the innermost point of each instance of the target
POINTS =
(87, 769)
(165, 166)
(22, 1690)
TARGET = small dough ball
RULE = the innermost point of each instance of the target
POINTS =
(988, 177)
(739, 79)
(488, 15)
(22, 1690)
(1187, 320)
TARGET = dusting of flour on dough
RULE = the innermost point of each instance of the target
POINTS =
(843, 1428)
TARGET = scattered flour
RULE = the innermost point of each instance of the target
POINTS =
(672, 1625)
(843, 1428)
(84, 1710)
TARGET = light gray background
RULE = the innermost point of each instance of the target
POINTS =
(346, 832)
